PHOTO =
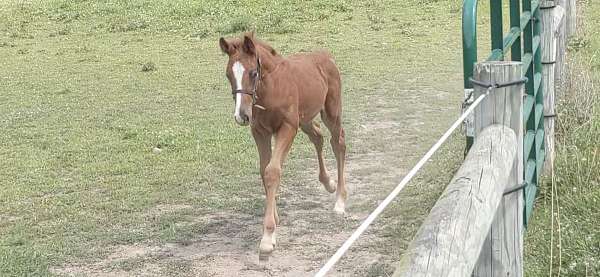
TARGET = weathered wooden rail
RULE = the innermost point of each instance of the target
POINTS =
(451, 238)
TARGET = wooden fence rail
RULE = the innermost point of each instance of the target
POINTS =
(450, 239)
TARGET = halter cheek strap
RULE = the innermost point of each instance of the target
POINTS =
(256, 81)
(254, 92)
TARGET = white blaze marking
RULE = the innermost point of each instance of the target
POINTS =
(238, 74)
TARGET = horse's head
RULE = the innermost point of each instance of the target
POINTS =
(243, 71)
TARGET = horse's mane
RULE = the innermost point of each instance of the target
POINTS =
(266, 46)
(259, 43)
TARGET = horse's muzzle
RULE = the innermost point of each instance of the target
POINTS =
(242, 120)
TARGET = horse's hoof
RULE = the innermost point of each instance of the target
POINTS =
(339, 208)
(265, 251)
(267, 246)
(332, 186)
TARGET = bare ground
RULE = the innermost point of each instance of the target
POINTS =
(386, 139)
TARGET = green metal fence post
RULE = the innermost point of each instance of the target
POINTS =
(528, 112)
(469, 30)
(469, 42)
(535, 122)
(523, 41)
(496, 26)
(515, 23)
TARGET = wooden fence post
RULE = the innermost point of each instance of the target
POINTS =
(571, 17)
(502, 251)
(561, 47)
(551, 19)
(468, 122)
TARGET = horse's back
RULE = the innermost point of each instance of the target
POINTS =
(321, 58)
(324, 63)
(318, 80)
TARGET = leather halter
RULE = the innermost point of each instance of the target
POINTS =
(256, 80)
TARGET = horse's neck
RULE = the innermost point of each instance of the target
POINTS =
(269, 65)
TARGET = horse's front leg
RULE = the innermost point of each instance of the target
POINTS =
(271, 180)
(263, 143)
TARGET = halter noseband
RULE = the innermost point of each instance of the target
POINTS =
(256, 80)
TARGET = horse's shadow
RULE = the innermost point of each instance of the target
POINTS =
(229, 232)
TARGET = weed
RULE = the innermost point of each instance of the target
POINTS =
(578, 43)
(148, 66)
(6, 44)
(199, 34)
(379, 270)
(237, 25)
(64, 91)
(128, 26)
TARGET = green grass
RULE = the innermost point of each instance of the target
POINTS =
(90, 88)
(574, 239)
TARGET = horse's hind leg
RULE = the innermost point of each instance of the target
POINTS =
(332, 118)
(313, 131)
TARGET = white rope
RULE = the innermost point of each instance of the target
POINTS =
(342, 250)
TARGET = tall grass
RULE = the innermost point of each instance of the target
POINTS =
(564, 237)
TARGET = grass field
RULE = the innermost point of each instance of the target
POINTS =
(90, 88)
(575, 236)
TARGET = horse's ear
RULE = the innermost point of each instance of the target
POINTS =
(249, 46)
(225, 47)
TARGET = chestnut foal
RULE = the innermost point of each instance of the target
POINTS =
(276, 95)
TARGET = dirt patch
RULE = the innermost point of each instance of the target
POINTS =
(117, 263)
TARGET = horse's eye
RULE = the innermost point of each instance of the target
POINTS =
(253, 74)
